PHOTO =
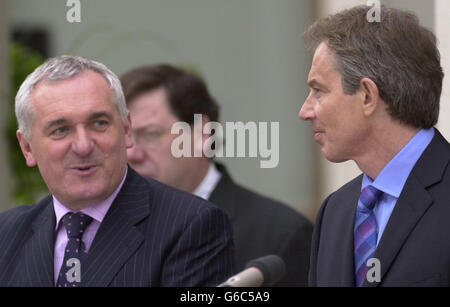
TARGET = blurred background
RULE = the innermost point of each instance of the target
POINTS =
(250, 53)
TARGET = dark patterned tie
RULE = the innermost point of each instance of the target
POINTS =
(365, 232)
(75, 252)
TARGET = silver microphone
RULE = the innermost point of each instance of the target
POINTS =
(261, 272)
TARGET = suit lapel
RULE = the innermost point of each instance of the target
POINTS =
(410, 207)
(117, 238)
(348, 252)
(38, 254)
(223, 195)
(412, 204)
(344, 219)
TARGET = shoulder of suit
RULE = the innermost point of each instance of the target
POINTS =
(351, 185)
(345, 193)
(272, 209)
(16, 212)
(13, 216)
(347, 189)
(166, 195)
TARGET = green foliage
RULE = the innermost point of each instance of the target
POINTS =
(28, 184)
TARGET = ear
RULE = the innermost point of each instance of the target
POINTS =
(26, 149)
(129, 138)
(371, 96)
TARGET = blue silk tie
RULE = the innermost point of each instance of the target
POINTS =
(365, 237)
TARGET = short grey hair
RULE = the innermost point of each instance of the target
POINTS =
(62, 68)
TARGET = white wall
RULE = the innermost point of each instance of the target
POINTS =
(442, 26)
(249, 51)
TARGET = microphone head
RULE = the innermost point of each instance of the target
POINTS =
(271, 266)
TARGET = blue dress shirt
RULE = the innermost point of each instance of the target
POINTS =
(394, 175)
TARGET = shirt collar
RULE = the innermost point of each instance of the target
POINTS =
(208, 184)
(394, 175)
(96, 211)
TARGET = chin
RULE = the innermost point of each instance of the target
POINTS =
(332, 157)
(335, 160)
(92, 196)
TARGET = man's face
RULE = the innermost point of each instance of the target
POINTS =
(337, 119)
(78, 139)
(151, 156)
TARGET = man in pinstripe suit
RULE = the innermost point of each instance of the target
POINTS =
(74, 125)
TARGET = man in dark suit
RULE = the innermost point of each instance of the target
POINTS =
(263, 226)
(159, 96)
(103, 224)
(375, 91)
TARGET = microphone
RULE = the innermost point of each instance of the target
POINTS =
(260, 272)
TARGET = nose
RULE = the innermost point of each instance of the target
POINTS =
(135, 154)
(83, 144)
(307, 110)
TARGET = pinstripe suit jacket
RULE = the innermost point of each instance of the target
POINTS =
(153, 235)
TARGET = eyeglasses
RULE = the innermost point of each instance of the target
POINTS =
(148, 138)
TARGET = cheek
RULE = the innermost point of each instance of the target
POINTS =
(325, 112)
(51, 165)
(114, 142)
(337, 116)
(160, 157)
(52, 154)
(352, 130)
(166, 146)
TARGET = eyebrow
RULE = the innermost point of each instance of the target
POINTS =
(56, 122)
(100, 114)
(62, 120)
(314, 82)
(144, 128)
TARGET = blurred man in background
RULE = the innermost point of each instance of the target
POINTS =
(159, 96)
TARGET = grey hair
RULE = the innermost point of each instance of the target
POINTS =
(62, 68)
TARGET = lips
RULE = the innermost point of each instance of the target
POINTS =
(318, 133)
(82, 167)
(83, 170)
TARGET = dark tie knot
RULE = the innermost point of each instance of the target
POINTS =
(76, 223)
(369, 197)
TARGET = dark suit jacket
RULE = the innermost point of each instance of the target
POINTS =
(263, 226)
(415, 247)
(153, 235)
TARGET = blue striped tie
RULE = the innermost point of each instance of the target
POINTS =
(365, 232)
